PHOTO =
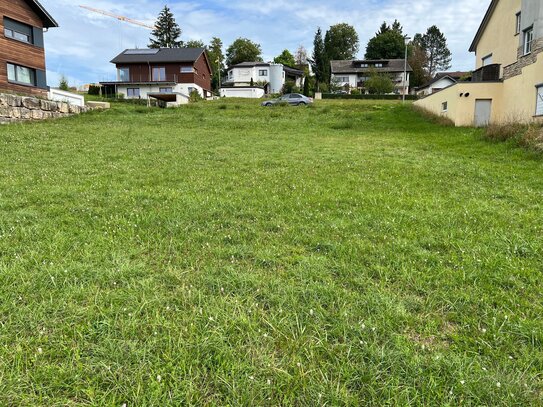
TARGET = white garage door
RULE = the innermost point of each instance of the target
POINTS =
(539, 106)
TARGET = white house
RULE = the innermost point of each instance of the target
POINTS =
(354, 74)
(441, 81)
(254, 79)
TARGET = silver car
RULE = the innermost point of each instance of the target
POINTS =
(294, 99)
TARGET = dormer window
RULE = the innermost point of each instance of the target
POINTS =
(528, 40)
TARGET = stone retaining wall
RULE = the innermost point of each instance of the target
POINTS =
(523, 61)
(18, 108)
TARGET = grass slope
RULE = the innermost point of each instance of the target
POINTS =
(227, 254)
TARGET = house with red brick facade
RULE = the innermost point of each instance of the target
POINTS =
(22, 52)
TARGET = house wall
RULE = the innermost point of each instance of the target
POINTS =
(241, 76)
(18, 52)
(499, 37)
(182, 88)
(143, 73)
(436, 86)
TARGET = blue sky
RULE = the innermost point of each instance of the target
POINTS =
(83, 45)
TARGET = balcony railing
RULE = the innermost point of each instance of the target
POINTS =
(149, 79)
(488, 73)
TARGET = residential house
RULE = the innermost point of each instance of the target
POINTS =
(507, 84)
(354, 74)
(22, 53)
(165, 74)
(255, 79)
(441, 81)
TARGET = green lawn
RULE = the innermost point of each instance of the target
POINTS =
(227, 254)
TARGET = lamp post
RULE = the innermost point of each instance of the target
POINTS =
(406, 38)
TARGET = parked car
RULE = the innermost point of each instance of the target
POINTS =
(294, 99)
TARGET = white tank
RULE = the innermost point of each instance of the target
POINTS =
(276, 78)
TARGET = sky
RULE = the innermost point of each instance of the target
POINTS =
(84, 43)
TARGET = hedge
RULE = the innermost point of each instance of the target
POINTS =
(367, 97)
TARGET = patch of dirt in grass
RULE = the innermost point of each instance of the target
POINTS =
(440, 341)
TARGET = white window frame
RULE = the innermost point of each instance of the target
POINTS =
(518, 27)
(444, 107)
(262, 72)
(167, 89)
(528, 40)
(539, 100)
(487, 60)
(160, 77)
(187, 69)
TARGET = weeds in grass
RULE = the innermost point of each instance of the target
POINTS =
(343, 125)
(529, 136)
(432, 117)
(223, 107)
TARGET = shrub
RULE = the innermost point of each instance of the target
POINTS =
(94, 90)
(505, 131)
(195, 97)
(355, 92)
(379, 84)
(533, 138)
(367, 97)
(63, 84)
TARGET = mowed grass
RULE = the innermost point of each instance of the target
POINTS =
(351, 253)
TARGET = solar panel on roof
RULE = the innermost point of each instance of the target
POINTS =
(141, 51)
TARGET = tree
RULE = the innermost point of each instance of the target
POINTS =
(63, 83)
(286, 58)
(243, 50)
(306, 86)
(341, 42)
(438, 55)
(166, 32)
(320, 62)
(216, 59)
(194, 44)
(417, 61)
(300, 57)
(379, 84)
(388, 43)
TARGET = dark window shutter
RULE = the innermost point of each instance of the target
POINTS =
(41, 80)
(37, 35)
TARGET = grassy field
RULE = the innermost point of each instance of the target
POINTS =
(226, 254)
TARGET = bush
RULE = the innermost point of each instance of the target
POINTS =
(368, 97)
(195, 97)
(505, 131)
(379, 84)
(355, 92)
(94, 90)
(63, 84)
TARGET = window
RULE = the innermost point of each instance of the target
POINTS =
(487, 60)
(539, 103)
(159, 74)
(18, 31)
(444, 106)
(187, 69)
(342, 79)
(379, 65)
(21, 74)
(364, 65)
(528, 39)
(166, 90)
(518, 23)
(123, 74)
(133, 92)
(230, 74)
(263, 72)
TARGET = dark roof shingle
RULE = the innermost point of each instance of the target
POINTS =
(162, 55)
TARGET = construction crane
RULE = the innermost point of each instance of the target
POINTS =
(120, 18)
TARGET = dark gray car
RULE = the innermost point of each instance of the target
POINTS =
(294, 99)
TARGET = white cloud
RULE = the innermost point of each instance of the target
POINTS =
(85, 42)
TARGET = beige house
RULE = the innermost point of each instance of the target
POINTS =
(507, 84)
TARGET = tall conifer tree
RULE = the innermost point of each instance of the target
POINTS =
(167, 32)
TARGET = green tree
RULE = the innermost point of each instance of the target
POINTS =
(341, 42)
(301, 56)
(216, 59)
(243, 50)
(438, 55)
(417, 61)
(194, 44)
(63, 83)
(388, 43)
(167, 32)
(286, 58)
(306, 86)
(379, 84)
(320, 63)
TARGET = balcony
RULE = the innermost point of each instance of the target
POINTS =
(487, 73)
(148, 79)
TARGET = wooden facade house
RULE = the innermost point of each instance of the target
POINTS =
(22, 52)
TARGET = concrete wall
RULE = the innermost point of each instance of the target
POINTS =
(62, 96)
(181, 88)
(17, 108)
(242, 92)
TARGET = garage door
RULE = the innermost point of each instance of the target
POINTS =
(539, 106)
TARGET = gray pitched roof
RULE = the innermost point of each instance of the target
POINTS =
(389, 65)
(162, 55)
(249, 64)
(48, 21)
